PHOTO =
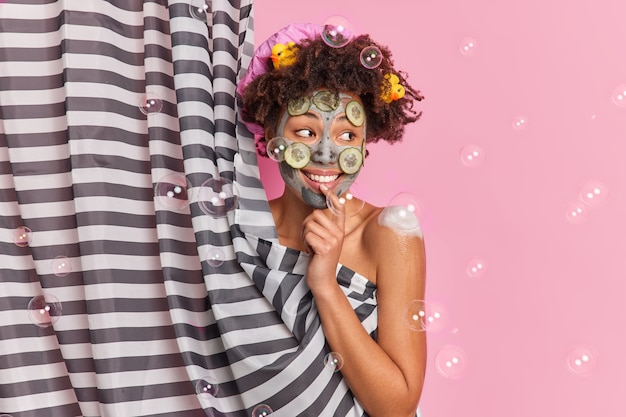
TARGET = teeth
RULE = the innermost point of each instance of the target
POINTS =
(322, 178)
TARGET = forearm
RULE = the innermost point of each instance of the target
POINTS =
(374, 378)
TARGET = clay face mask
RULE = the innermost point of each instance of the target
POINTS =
(324, 144)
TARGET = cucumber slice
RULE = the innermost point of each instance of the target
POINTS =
(298, 106)
(350, 160)
(297, 155)
(326, 101)
(355, 113)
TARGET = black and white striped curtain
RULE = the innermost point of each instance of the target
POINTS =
(140, 271)
(113, 114)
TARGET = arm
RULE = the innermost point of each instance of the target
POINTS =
(386, 376)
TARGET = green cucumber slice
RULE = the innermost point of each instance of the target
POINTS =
(298, 106)
(350, 160)
(355, 113)
(326, 101)
(297, 155)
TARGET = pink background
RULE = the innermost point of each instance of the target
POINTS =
(552, 288)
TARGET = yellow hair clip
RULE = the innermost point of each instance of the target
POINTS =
(283, 55)
(392, 89)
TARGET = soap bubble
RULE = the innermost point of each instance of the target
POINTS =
(349, 200)
(44, 310)
(262, 410)
(436, 318)
(172, 191)
(472, 155)
(593, 193)
(414, 315)
(619, 96)
(61, 266)
(451, 362)
(371, 57)
(337, 31)
(276, 148)
(468, 46)
(206, 387)
(22, 236)
(475, 268)
(582, 361)
(577, 212)
(215, 257)
(200, 9)
(217, 197)
(150, 104)
(402, 214)
(520, 122)
(422, 316)
(333, 361)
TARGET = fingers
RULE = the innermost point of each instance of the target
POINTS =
(307, 247)
(338, 206)
(318, 245)
(321, 235)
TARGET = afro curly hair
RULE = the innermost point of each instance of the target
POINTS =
(320, 66)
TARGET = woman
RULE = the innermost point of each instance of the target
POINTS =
(313, 107)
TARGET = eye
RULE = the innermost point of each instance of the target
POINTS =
(305, 133)
(347, 136)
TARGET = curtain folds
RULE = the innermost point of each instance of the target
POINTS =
(104, 139)
(140, 271)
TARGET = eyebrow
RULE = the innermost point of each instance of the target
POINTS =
(312, 115)
(316, 116)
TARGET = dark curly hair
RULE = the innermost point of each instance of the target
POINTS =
(318, 66)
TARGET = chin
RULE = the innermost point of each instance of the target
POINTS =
(314, 199)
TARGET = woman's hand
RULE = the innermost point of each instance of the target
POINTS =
(323, 239)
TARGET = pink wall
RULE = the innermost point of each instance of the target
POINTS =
(552, 289)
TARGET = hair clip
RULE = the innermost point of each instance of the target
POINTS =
(283, 55)
(392, 89)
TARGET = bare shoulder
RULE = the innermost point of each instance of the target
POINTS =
(383, 253)
(392, 244)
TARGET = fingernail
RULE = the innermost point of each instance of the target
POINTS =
(323, 187)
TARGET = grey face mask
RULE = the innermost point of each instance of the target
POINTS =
(325, 153)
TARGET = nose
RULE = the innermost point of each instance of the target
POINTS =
(324, 152)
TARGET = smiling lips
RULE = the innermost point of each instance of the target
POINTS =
(316, 179)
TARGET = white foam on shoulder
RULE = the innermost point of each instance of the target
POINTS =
(401, 220)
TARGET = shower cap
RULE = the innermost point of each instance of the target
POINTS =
(259, 64)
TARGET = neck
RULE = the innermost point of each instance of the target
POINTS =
(289, 212)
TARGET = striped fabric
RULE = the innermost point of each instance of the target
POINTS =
(140, 273)
(77, 164)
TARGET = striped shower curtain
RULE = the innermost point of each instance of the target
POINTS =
(114, 117)
(140, 271)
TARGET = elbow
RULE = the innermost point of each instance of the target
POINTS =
(409, 407)
(405, 407)
(410, 411)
